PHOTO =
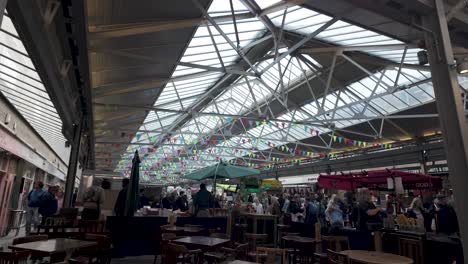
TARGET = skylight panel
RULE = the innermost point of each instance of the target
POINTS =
(22, 86)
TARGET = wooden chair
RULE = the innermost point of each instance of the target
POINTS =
(220, 235)
(301, 252)
(236, 251)
(100, 254)
(269, 255)
(166, 238)
(180, 254)
(16, 257)
(92, 226)
(334, 243)
(255, 240)
(336, 257)
(70, 214)
(411, 248)
(239, 232)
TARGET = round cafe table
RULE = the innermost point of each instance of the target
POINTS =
(374, 257)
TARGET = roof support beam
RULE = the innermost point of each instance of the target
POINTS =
(2, 9)
(124, 30)
(451, 110)
(131, 29)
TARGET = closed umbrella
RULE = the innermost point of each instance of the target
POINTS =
(132, 192)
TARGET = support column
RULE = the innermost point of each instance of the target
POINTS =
(2, 9)
(451, 111)
(72, 165)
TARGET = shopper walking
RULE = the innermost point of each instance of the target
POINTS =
(92, 201)
(35, 200)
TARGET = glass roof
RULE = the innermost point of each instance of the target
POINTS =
(22, 86)
(228, 127)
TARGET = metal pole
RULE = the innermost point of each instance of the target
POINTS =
(451, 111)
(2, 9)
(72, 165)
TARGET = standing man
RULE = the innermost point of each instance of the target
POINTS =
(202, 202)
(182, 202)
(35, 200)
(49, 204)
(119, 208)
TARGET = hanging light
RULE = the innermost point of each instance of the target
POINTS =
(462, 67)
(422, 57)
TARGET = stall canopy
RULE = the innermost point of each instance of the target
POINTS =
(378, 180)
(221, 170)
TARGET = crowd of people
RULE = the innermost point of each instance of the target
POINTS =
(358, 209)
(362, 210)
(45, 203)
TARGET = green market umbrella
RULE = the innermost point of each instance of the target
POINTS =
(220, 170)
(132, 192)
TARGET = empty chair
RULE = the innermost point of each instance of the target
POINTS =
(334, 243)
(165, 240)
(180, 254)
(336, 257)
(92, 226)
(16, 257)
(302, 252)
(411, 248)
(269, 255)
(100, 254)
(236, 251)
(255, 240)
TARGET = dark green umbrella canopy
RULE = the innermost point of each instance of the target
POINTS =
(221, 170)
(132, 193)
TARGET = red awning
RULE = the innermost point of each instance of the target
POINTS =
(377, 180)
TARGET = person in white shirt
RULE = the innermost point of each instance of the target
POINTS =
(285, 208)
(257, 206)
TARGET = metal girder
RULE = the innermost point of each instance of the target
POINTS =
(451, 111)
(3, 4)
(389, 158)
(123, 30)
(308, 122)
(72, 165)
(339, 49)
(128, 54)
(131, 29)
(455, 9)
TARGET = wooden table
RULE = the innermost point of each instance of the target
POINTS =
(53, 246)
(299, 239)
(241, 262)
(374, 257)
(184, 229)
(202, 242)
